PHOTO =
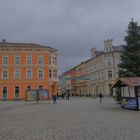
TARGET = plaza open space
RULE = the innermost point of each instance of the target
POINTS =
(80, 118)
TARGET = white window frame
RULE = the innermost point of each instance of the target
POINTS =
(54, 60)
(28, 60)
(15, 74)
(27, 74)
(109, 61)
(3, 60)
(40, 59)
(3, 74)
(17, 56)
(54, 73)
(42, 74)
(110, 74)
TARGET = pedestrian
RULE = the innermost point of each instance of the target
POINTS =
(100, 96)
(54, 99)
(62, 95)
(68, 95)
(37, 96)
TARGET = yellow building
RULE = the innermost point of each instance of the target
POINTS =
(102, 68)
(98, 73)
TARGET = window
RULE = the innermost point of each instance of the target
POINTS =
(17, 60)
(102, 74)
(40, 60)
(16, 92)
(110, 74)
(29, 60)
(50, 73)
(5, 73)
(40, 87)
(40, 74)
(55, 73)
(29, 87)
(4, 92)
(54, 60)
(50, 60)
(109, 62)
(5, 60)
(17, 73)
(29, 74)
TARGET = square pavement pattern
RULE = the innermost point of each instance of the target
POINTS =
(77, 119)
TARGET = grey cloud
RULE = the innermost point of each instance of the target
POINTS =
(71, 26)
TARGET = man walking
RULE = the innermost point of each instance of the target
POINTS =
(67, 95)
(100, 96)
(54, 99)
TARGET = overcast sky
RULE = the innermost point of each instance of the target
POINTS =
(71, 26)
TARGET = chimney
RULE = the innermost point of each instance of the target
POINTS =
(93, 52)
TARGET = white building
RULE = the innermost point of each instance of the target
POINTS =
(102, 68)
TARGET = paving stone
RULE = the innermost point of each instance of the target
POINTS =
(77, 119)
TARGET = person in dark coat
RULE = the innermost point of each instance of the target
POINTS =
(54, 99)
(67, 95)
(100, 96)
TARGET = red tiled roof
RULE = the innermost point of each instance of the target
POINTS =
(20, 45)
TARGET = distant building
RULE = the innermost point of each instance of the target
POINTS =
(68, 81)
(26, 66)
(81, 82)
(96, 74)
(102, 68)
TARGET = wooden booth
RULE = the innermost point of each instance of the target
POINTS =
(130, 92)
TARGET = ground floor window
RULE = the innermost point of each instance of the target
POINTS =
(40, 87)
(4, 92)
(16, 92)
(29, 87)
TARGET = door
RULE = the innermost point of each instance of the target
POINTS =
(17, 92)
(4, 93)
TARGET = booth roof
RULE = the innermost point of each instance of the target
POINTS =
(127, 81)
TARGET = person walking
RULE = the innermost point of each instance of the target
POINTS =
(67, 95)
(54, 99)
(100, 96)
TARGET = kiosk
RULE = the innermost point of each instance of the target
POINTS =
(130, 92)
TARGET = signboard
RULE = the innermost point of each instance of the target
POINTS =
(35, 95)
(129, 103)
(43, 94)
(31, 95)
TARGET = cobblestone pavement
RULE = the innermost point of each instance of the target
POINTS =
(76, 119)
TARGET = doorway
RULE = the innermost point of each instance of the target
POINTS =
(4, 96)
